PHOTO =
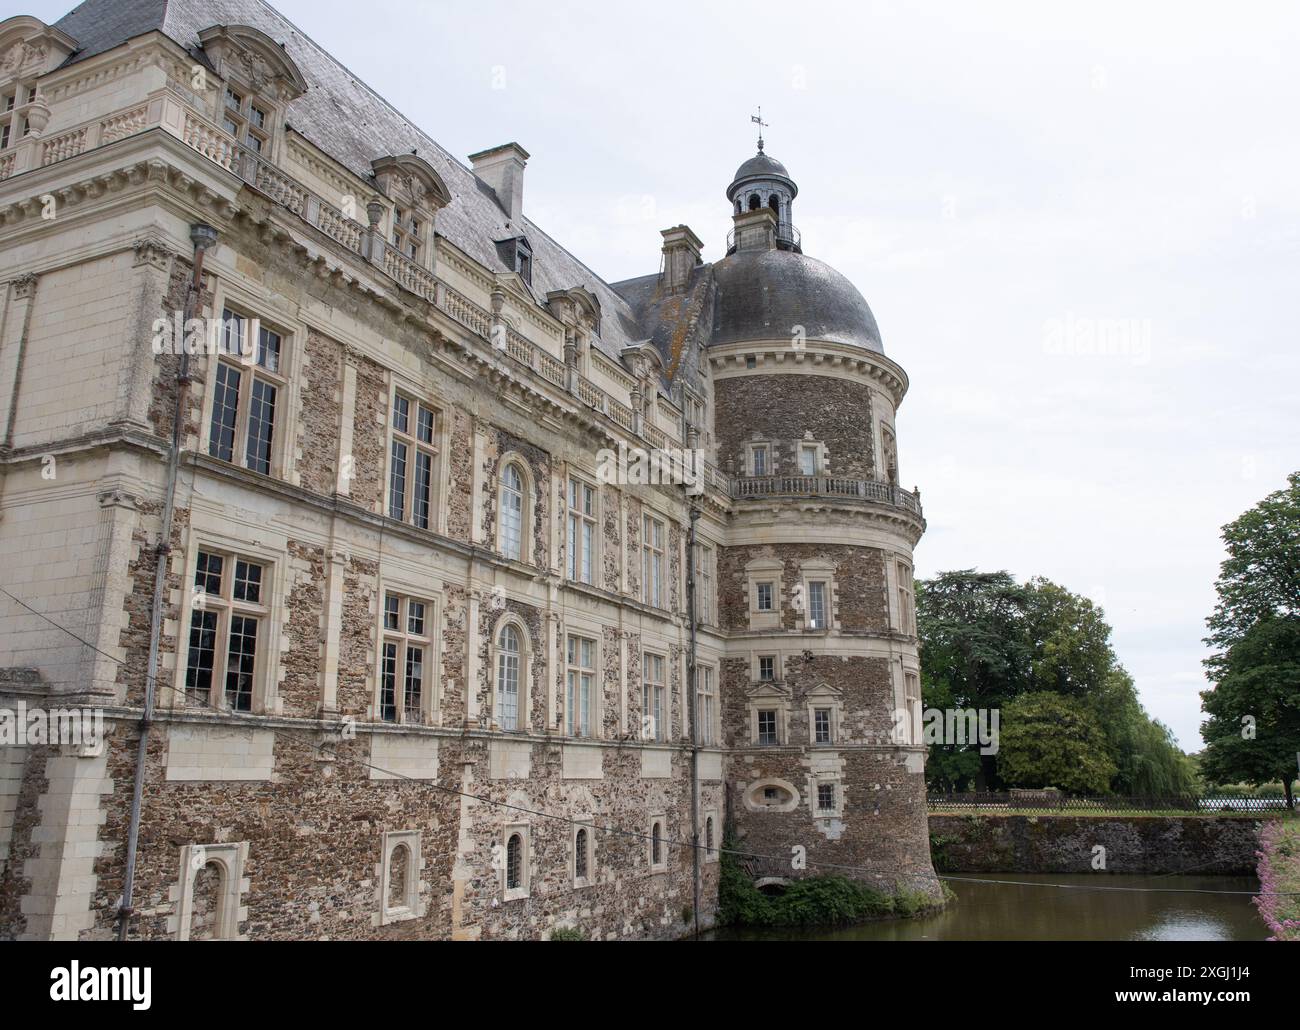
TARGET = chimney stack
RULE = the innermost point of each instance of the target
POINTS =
(502, 168)
(755, 230)
(681, 254)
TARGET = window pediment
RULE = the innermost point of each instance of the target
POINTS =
(30, 47)
(255, 59)
(768, 692)
(578, 304)
(823, 692)
(411, 178)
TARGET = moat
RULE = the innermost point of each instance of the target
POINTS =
(993, 912)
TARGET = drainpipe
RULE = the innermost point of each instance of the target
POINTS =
(692, 708)
(202, 236)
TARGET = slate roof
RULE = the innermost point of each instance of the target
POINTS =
(353, 124)
(754, 294)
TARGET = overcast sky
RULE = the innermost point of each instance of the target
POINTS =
(997, 179)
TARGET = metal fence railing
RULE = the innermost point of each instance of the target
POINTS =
(1050, 801)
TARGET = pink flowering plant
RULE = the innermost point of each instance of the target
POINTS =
(1279, 878)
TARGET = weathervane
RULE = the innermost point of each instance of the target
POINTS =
(758, 120)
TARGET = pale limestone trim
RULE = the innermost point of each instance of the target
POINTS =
(392, 583)
(710, 848)
(410, 905)
(778, 664)
(825, 768)
(242, 300)
(588, 824)
(527, 521)
(818, 358)
(768, 696)
(418, 394)
(524, 889)
(753, 795)
(817, 571)
(230, 860)
(582, 761)
(657, 828)
(575, 625)
(13, 760)
(765, 570)
(824, 696)
(272, 612)
(198, 753)
(509, 618)
(770, 456)
(588, 479)
(713, 732)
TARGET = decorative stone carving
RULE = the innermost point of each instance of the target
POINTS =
(22, 56)
(25, 286)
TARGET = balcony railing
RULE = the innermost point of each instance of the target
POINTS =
(743, 487)
(166, 110)
(787, 238)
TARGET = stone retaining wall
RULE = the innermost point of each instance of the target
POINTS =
(1068, 844)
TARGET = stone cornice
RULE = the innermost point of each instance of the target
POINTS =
(815, 357)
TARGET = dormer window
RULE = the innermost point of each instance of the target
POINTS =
(408, 233)
(523, 260)
(247, 119)
(13, 118)
(259, 78)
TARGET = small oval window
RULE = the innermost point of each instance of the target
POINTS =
(770, 795)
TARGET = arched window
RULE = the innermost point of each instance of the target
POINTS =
(514, 862)
(774, 202)
(397, 872)
(580, 854)
(708, 834)
(508, 677)
(656, 845)
(512, 512)
(755, 202)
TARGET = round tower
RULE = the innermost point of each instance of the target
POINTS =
(821, 689)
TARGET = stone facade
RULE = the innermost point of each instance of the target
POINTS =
(343, 741)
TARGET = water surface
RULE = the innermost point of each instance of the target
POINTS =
(1002, 912)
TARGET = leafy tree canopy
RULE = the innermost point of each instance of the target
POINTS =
(1260, 578)
(1051, 740)
(1252, 734)
(987, 640)
(1255, 631)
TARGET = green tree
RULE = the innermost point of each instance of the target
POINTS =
(1253, 631)
(974, 654)
(1260, 578)
(1049, 740)
(1148, 759)
(1070, 640)
(1252, 734)
(987, 640)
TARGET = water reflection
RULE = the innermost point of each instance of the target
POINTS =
(1004, 912)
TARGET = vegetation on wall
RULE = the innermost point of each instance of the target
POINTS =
(808, 901)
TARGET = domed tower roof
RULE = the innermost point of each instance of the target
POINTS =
(766, 285)
(764, 294)
(758, 169)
